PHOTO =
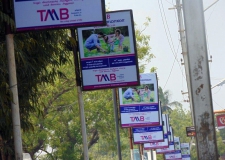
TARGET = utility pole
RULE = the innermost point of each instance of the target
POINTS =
(131, 144)
(201, 97)
(80, 99)
(116, 124)
(13, 87)
(184, 48)
(185, 57)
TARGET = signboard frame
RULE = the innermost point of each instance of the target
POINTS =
(185, 151)
(105, 67)
(220, 119)
(142, 109)
(42, 14)
(148, 134)
(157, 145)
(190, 131)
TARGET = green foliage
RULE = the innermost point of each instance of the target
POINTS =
(38, 56)
(47, 95)
(142, 43)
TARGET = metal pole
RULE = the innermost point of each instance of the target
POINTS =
(200, 80)
(131, 144)
(15, 100)
(184, 48)
(80, 99)
(13, 87)
(211, 5)
(116, 124)
(184, 53)
(152, 157)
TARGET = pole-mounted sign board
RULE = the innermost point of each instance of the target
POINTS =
(49, 14)
(108, 54)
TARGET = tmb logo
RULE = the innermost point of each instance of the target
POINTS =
(149, 137)
(137, 119)
(62, 14)
(105, 77)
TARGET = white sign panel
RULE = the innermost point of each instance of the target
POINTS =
(139, 105)
(157, 145)
(148, 134)
(108, 55)
(170, 134)
(176, 155)
(165, 124)
(185, 151)
(166, 150)
(177, 143)
(45, 14)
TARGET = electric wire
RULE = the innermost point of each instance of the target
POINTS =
(169, 39)
(218, 104)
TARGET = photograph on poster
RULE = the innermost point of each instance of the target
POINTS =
(108, 54)
(106, 41)
(177, 143)
(141, 94)
(185, 150)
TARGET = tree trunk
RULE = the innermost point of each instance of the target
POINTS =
(1, 149)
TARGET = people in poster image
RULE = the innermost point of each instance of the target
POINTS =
(185, 151)
(93, 42)
(106, 41)
(140, 94)
(129, 94)
(109, 40)
(120, 38)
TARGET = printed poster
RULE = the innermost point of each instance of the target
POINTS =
(49, 14)
(139, 105)
(108, 54)
(148, 134)
(220, 119)
(157, 145)
(185, 151)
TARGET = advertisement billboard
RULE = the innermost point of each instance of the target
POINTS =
(171, 148)
(49, 14)
(170, 134)
(190, 131)
(185, 151)
(139, 105)
(220, 121)
(148, 134)
(176, 155)
(108, 54)
(157, 145)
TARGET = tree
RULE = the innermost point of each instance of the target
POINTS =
(164, 98)
(38, 56)
(98, 112)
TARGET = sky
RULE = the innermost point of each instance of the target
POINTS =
(165, 44)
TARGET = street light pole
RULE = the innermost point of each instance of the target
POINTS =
(200, 80)
(14, 89)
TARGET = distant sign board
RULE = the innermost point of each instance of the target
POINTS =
(139, 105)
(171, 148)
(157, 145)
(176, 155)
(48, 14)
(137, 155)
(148, 134)
(108, 55)
(190, 131)
(185, 151)
(220, 121)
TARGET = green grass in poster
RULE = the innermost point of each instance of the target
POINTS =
(94, 53)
